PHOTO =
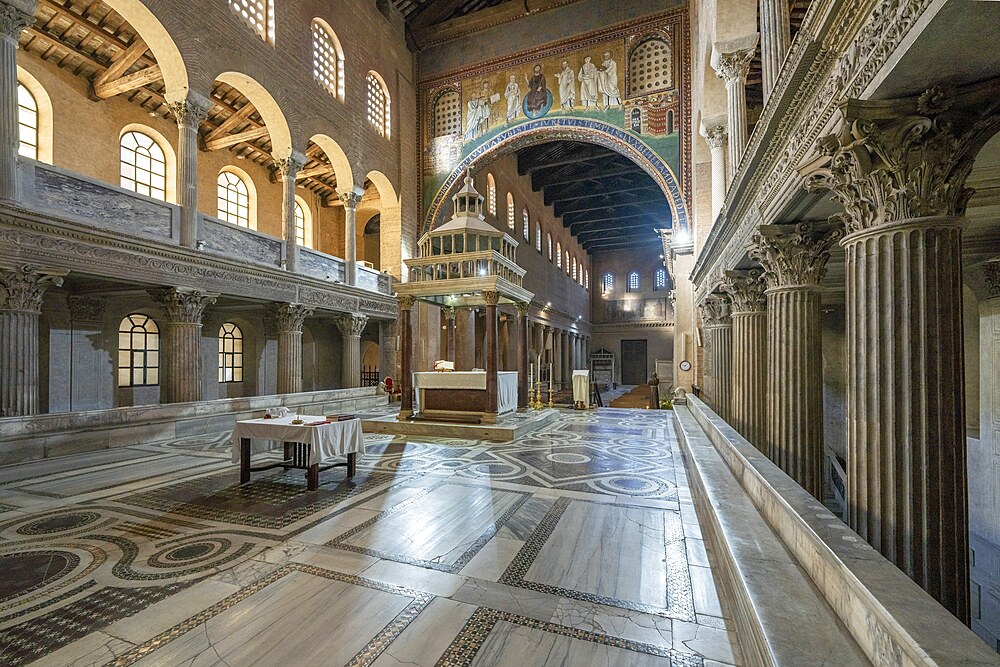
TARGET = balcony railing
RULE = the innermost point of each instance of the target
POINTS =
(90, 202)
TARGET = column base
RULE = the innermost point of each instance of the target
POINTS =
(404, 415)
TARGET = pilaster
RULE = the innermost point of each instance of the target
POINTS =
(180, 342)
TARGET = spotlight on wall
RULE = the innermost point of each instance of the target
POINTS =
(548, 304)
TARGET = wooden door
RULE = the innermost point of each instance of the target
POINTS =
(634, 362)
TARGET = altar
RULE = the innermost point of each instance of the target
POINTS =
(461, 395)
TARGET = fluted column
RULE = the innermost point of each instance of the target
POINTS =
(289, 167)
(12, 22)
(899, 169)
(21, 291)
(522, 353)
(351, 327)
(405, 358)
(188, 115)
(717, 138)
(180, 342)
(749, 315)
(794, 259)
(775, 38)
(491, 353)
(732, 67)
(288, 319)
(351, 200)
(449, 322)
(719, 332)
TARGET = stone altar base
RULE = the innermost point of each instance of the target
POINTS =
(509, 427)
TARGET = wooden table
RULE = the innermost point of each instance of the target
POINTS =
(307, 446)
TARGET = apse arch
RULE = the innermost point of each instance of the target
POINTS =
(267, 107)
(159, 41)
(584, 130)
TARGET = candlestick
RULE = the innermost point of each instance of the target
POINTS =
(550, 377)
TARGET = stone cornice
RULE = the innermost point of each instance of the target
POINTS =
(28, 237)
(839, 50)
(623, 326)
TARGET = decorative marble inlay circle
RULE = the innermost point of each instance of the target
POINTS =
(58, 523)
(644, 452)
(496, 469)
(632, 485)
(568, 457)
(28, 570)
(192, 552)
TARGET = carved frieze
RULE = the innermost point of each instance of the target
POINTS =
(373, 306)
(328, 300)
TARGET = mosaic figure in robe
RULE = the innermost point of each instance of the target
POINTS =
(607, 82)
(513, 96)
(567, 86)
(588, 83)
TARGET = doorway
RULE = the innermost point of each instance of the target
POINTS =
(634, 362)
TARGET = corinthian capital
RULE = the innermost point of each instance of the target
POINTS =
(902, 159)
(716, 311)
(350, 199)
(182, 305)
(288, 316)
(190, 111)
(289, 166)
(794, 255)
(491, 297)
(13, 21)
(746, 289)
(352, 325)
(716, 136)
(21, 289)
(731, 59)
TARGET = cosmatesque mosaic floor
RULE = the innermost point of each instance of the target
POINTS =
(577, 546)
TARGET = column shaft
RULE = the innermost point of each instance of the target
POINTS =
(906, 446)
(775, 38)
(405, 358)
(289, 168)
(721, 350)
(749, 379)
(717, 138)
(351, 200)
(18, 363)
(491, 352)
(449, 319)
(351, 327)
(522, 355)
(12, 21)
(795, 385)
(188, 115)
(180, 346)
(289, 362)
(732, 68)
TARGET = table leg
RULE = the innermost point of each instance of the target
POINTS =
(312, 477)
(352, 464)
(244, 460)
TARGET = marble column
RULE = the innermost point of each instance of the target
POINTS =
(351, 327)
(775, 38)
(556, 358)
(351, 200)
(405, 358)
(12, 22)
(492, 355)
(449, 320)
(719, 332)
(289, 167)
(388, 330)
(899, 169)
(522, 353)
(749, 315)
(21, 291)
(794, 258)
(181, 377)
(732, 67)
(188, 115)
(288, 319)
(717, 137)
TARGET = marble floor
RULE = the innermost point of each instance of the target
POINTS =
(576, 546)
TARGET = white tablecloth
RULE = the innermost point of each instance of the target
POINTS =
(506, 385)
(581, 387)
(325, 441)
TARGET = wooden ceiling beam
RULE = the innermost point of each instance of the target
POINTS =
(233, 139)
(139, 79)
(242, 115)
(122, 63)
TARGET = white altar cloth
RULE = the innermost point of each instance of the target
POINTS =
(581, 388)
(325, 440)
(458, 380)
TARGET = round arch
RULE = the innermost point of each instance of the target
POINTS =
(338, 160)
(274, 119)
(159, 41)
(393, 248)
(577, 129)
(169, 157)
(43, 105)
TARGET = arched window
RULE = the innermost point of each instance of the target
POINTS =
(510, 211)
(143, 166)
(586, 279)
(574, 268)
(233, 199)
(27, 123)
(633, 282)
(230, 353)
(538, 236)
(300, 224)
(548, 244)
(526, 226)
(607, 284)
(378, 104)
(328, 58)
(566, 262)
(448, 114)
(558, 253)
(660, 279)
(491, 194)
(258, 14)
(138, 352)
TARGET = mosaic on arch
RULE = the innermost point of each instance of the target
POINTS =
(632, 80)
